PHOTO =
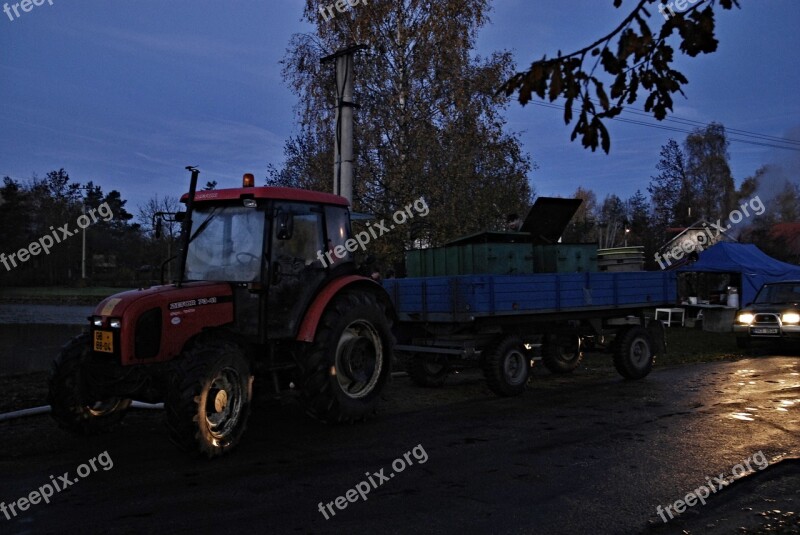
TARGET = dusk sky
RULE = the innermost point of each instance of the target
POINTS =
(126, 94)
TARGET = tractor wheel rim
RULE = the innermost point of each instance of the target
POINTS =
(224, 402)
(102, 408)
(359, 359)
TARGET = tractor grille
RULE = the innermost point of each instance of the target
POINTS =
(147, 337)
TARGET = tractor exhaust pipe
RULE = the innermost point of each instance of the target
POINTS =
(186, 225)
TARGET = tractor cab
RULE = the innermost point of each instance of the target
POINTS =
(269, 244)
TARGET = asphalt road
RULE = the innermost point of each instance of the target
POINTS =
(587, 453)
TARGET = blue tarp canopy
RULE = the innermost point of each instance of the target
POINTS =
(755, 266)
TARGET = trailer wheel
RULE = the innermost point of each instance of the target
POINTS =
(349, 361)
(427, 370)
(634, 355)
(506, 366)
(208, 403)
(67, 397)
(562, 354)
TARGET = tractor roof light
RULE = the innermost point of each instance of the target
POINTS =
(248, 180)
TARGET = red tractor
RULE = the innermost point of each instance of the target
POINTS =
(256, 302)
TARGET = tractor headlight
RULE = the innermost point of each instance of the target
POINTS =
(97, 321)
(790, 317)
(745, 317)
(115, 323)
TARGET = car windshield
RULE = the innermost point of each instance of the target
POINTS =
(226, 244)
(779, 294)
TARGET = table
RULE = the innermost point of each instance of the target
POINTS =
(669, 312)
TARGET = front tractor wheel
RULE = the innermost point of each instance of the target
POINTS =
(506, 366)
(349, 362)
(72, 407)
(634, 354)
(208, 403)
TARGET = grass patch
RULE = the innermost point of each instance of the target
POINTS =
(694, 345)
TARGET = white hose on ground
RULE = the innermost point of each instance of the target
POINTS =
(24, 412)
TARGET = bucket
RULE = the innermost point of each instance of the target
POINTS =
(733, 297)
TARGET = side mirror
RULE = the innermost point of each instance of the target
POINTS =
(180, 216)
(285, 223)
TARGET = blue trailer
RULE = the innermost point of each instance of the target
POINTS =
(500, 322)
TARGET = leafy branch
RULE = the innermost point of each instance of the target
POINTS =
(634, 58)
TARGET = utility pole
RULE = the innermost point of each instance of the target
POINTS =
(83, 247)
(83, 235)
(343, 158)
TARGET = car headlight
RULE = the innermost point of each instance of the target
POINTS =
(791, 317)
(97, 321)
(745, 317)
(115, 323)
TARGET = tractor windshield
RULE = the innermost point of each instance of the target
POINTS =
(226, 244)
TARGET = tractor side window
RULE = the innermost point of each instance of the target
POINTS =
(297, 242)
(338, 223)
(296, 272)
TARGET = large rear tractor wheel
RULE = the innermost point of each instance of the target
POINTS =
(634, 353)
(562, 354)
(428, 370)
(71, 406)
(506, 366)
(208, 403)
(349, 362)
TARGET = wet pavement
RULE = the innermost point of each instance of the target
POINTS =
(586, 453)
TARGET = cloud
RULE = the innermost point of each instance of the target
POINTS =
(193, 45)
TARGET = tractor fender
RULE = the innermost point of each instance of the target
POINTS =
(308, 327)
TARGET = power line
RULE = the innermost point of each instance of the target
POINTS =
(746, 137)
(689, 122)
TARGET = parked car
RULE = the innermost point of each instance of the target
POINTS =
(774, 315)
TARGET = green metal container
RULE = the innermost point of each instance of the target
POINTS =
(565, 258)
(471, 259)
